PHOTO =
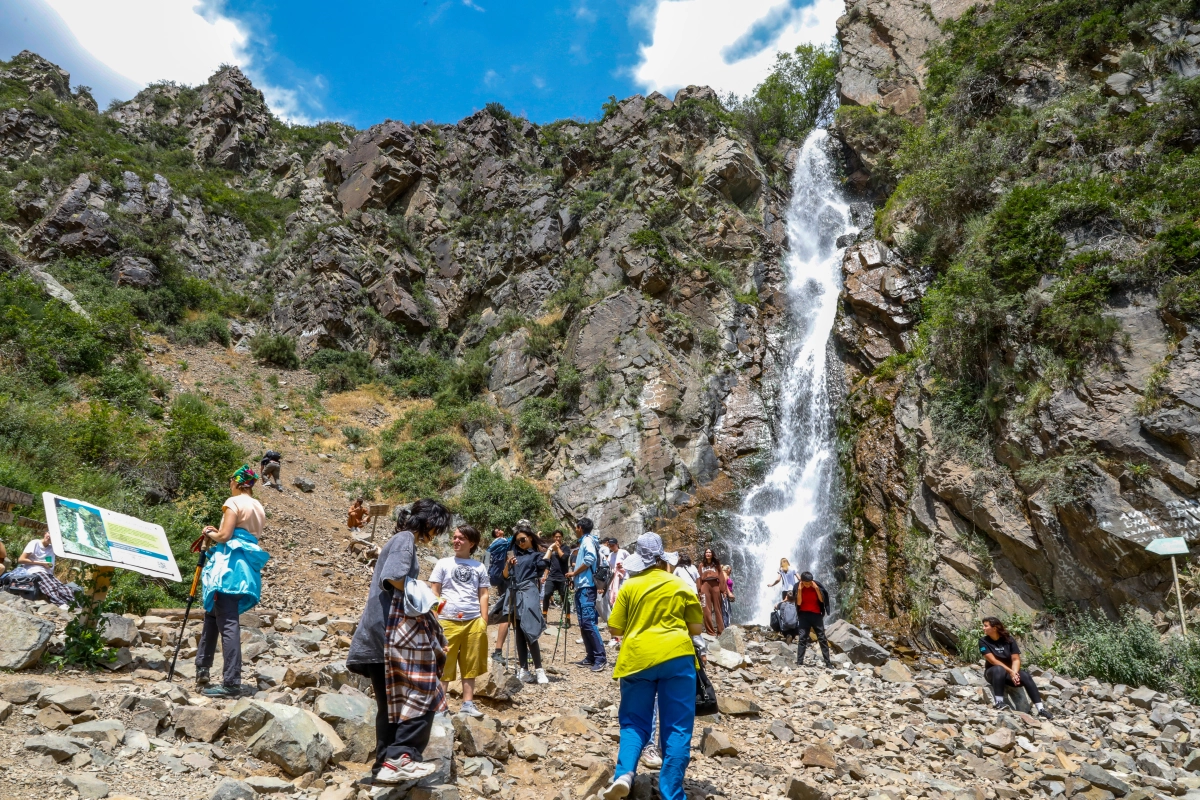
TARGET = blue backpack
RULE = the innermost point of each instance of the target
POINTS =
(497, 554)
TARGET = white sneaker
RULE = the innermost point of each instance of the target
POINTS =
(579, 641)
(405, 769)
(619, 788)
(470, 709)
(524, 676)
(650, 757)
(541, 675)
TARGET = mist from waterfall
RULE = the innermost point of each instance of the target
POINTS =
(793, 512)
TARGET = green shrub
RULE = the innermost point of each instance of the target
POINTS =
(797, 96)
(489, 500)
(83, 639)
(339, 370)
(355, 435)
(202, 330)
(195, 454)
(1127, 650)
(420, 468)
(275, 349)
(538, 421)
(414, 374)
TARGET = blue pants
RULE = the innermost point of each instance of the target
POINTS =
(585, 609)
(673, 684)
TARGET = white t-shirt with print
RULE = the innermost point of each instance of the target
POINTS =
(461, 579)
(789, 578)
(39, 552)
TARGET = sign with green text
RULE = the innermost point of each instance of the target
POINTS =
(94, 535)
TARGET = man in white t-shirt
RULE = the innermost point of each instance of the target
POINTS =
(462, 584)
(37, 555)
(787, 576)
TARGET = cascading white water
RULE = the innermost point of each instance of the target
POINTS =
(793, 513)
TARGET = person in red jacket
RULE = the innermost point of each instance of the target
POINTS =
(812, 604)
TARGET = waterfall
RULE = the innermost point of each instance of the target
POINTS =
(793, 512)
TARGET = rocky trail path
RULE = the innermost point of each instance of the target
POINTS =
(884, 723)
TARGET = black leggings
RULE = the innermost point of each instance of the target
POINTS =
(526, 648)
(395, 739)
(998, 677)
(549, 590)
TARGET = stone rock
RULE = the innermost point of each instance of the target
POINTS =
(301, 675)
(71, 699)
(53, 719)
(1103, 779)
(727, 659)
(481, 737)
(353, 717)
(530, 748)
(378, 167)
(201, 724)
(819, 755)
(573, 724)
(291, 740)
(737, 704)
(894, 671)
(715, 743)
(60, 748)
(5, 710)
(106, 730)
(780, 731)
(1002, 739)
(845, 638)
(135, 271)
(802, 790)
(229, 789)
(89, 786)
(21, 692)
(733, 638)
(73, 225)
(729, 170)
(337, 747)
(597, 777)
(265, 784)
(23, 638)
(303, 484)
(1143, 697)
(500, 684)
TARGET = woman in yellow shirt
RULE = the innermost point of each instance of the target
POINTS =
(656, 614)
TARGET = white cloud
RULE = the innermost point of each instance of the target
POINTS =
(151, 40)
(177, 40)
(689, 38)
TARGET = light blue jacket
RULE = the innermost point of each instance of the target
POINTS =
(588, 555)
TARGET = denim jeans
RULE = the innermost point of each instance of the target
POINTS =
(585, 609)
(673, 684)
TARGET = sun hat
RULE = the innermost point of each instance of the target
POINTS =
(649, 552)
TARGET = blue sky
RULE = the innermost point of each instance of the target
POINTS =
(416, 60)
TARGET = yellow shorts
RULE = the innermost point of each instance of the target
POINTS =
(467, 653)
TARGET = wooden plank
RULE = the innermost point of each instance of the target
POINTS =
(6, 518)
(379, 509)
(14, 497)
(34, 524)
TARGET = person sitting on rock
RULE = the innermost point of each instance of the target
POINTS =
(462, 582)
(521, 604)
(36, 564)
(358, 516)
(231, 582)
(403, 656)
(812, 604)
(1003, 657)
(656, 617)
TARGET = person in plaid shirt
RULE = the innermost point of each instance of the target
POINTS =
(403, 656)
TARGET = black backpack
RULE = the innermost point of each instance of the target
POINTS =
(789, 620)
(271, 455)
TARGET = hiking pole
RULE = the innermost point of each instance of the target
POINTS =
(197, 546)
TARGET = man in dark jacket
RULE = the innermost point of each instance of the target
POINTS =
(812, 604)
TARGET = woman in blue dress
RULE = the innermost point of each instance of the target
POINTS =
(232, 582)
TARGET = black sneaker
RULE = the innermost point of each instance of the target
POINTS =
(498, 657)
(599, 666)
(1044, 713)
(1000, 707)
(223, 692)
(202, 676)
(587, 662)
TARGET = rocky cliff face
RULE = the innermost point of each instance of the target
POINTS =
(637, 256)
(1052, 501)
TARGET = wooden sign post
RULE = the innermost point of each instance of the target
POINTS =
(378, 510)
(1173, 546)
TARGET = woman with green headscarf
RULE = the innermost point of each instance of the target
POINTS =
(231, 581)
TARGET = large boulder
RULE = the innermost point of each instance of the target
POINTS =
(730, 171)
(292, 740)
(23, 638)
(73, 225)
(119, 631)
(353, 717)
(379, 165)
(201, 724)
(70, 699)
(845, 638)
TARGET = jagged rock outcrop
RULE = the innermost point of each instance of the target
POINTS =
(883, 51)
